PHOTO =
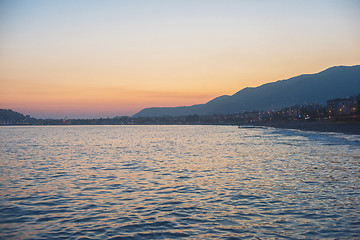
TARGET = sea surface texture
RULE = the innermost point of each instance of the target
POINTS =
(177, 182)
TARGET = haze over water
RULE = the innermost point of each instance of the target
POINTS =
(177, 182)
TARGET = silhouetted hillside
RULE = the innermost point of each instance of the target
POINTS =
(335, 82)
(8, 116)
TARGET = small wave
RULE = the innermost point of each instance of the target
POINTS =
(323, 137)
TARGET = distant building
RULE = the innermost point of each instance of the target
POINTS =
(341, 107)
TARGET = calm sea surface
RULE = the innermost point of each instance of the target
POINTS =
(178, 182)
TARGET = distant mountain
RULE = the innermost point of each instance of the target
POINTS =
(334, 82)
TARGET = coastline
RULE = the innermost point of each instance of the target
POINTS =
(347, 127)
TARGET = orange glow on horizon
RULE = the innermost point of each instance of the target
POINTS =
(89, 101)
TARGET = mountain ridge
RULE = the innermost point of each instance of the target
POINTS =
(297, 90)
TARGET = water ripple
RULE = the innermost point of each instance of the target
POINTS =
(177, 182)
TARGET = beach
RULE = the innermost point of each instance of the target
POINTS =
(347, 127)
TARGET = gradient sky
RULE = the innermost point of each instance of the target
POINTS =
(84, 59)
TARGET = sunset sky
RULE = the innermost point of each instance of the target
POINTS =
(84, 59)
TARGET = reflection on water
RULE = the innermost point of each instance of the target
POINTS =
(177, 182)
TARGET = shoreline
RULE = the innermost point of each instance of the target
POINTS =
(347, 127)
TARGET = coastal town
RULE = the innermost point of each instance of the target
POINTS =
(335, 110)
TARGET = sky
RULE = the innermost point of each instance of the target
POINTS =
(90, 59)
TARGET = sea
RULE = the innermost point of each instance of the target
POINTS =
(177, 182)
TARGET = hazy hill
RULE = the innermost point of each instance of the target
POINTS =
(334, 82)
(8, 116)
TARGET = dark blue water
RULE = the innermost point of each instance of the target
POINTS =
(177, 182)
